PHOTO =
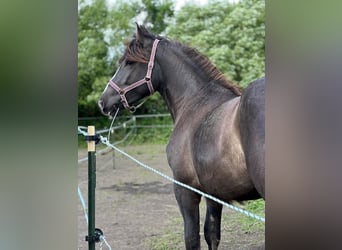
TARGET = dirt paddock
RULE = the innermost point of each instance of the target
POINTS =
(137, 210)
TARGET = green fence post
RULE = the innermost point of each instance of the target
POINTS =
(91, 188)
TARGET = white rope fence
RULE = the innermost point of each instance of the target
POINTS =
(105, 141)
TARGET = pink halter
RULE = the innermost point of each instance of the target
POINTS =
(147, 80)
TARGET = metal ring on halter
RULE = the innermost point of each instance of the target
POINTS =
(132, 109)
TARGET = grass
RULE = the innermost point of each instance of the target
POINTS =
(247, 223)
(171, 237)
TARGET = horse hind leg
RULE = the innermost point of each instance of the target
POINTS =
(212, 226)
(188, 203)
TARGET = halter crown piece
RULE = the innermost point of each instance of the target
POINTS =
(147, 80)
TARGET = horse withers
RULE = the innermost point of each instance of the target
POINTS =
(217, 144)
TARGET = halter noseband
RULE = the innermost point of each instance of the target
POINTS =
(147, 80)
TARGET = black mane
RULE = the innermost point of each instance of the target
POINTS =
(135, 52)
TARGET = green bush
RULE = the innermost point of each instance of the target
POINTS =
(151, 130)
(231, 35)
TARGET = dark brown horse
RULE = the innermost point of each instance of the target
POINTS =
(217, 144)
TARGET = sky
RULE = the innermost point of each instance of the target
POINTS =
(180, 3)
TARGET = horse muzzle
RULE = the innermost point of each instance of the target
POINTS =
(107, 111)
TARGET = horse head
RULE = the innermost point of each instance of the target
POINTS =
(137, 76)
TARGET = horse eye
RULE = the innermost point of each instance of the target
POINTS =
(129, 62)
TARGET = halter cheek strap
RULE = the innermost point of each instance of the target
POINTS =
(147, 80)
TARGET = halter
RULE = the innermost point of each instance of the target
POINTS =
(147, 80)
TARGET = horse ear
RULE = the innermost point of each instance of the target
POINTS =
(140, 33)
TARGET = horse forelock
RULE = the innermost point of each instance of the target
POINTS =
(134, 52)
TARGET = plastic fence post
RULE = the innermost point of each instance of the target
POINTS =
(91, 188)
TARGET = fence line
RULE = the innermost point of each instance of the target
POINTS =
(131, 124)
(105, 141)
(137, 116)
(82, 203)
(103, 131)
(151, 126)
(106, 130)
(152, 115)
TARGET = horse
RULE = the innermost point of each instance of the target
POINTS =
(217, 144)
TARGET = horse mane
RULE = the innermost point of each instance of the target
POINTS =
(135, 52)
(209, 68)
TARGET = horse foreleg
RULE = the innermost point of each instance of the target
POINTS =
(212, 226)
(188, 203)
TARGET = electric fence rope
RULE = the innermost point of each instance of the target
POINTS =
(105, 141)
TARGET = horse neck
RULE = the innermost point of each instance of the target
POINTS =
(183, 89)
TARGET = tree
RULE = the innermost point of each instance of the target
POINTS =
(158, 12)
(231, 35)
(92, 52)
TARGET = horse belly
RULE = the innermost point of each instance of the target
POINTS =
(225, 176)
(219, 157)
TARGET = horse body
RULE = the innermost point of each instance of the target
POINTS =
(207, 148)
(210, 157)
(205, 151)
